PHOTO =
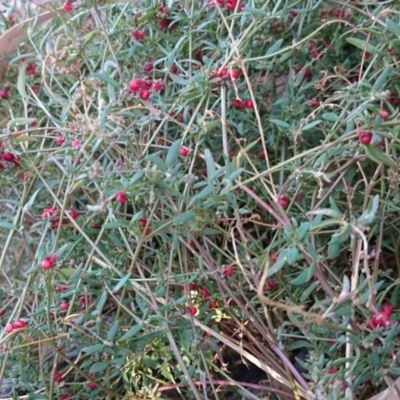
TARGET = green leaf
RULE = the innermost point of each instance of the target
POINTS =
(392, 27)
(96, 348)
(333, 250)
(379, 157)
(327, 212)
(305, 276)
(303, 230)
(370, 213)
(20, 121)
(136, 177)
(281, 124)
(311, 125)
(172, 54)
(7, 225)
(275, 47)
(114, 224)
(102, 300)
(184, 217)
(204, 193)
(292, 254)
(280, 262)
(122, 282)
(113, 331)
(330, 116)
(131, 333)
(381, 81)
(210, 163)
(173, 153)
(307, 291)
(362, 45)
(98, 367)
(21, 82)
(157, 161)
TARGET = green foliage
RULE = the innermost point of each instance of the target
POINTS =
(189, 176)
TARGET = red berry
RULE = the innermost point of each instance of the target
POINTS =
(292, 13)
(239, 104)
(121, 198)
(184, 151)
(138, 35)
(20, 324)
(64, 306)
(61, 288)
(158, 86)
(56, 224)
(67, 7)
(48, 212)
(384, 114)
(333, 370)
(228, 272)
(248, 104)
(91, 385)
(261, 155)
(192, 310)
(163, 24)
(144, 94)
(73, 214)
(234, 74)
(284, 201)
(135, 85)
(58, 377)
(364, 137)
(2, 312)
(148, 67)
(59, 140)
(3, 93)
(143, 222)
(204, 293)
(84, 300)
(11, 158)
(35, 89)
(387, 309)
(9, 328)
(75, 144)
(49, 262)
(31, 69)
(192, 286)
(213, 304)
(314, 102)
(272, 285)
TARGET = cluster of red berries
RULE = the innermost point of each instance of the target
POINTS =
(143, 87)
(312, 50)
(138, 34)
(242, 104)
(307, 72)
(382, 318)
(334, 13)
(49, 262)
(20, 324)
(222, 74)
(50, 212)
(230, 5)
(9, 159)
(364, 137)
